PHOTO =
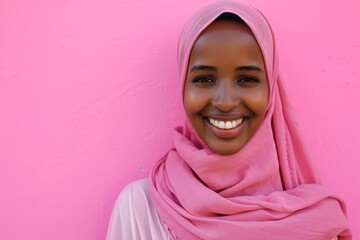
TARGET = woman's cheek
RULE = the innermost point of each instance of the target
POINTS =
(196, 100)
(256, 100)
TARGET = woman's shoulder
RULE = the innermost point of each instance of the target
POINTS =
(134, 215)
(135, 197)
(138, 190)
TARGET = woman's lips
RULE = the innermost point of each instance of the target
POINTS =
(225, 124)
(225, 128)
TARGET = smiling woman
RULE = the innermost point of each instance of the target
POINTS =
(226, 88)
(239, 169)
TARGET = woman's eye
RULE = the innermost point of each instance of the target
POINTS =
(248, 80)
(204, 79)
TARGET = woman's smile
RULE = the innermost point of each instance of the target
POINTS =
(225, 128)
(226, 88)
(225, 124)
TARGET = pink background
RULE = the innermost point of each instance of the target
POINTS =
(89, 98)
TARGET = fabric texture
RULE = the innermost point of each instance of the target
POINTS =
(134, 216)
(267, 190)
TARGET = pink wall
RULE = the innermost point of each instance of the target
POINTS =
(89, 98)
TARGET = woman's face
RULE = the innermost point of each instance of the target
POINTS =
(226, 88)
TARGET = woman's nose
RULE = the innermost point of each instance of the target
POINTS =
(225, 97)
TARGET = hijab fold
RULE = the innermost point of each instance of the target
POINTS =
(267, 190)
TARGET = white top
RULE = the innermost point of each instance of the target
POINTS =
(134, 216)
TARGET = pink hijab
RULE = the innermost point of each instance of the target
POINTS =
(267, 190)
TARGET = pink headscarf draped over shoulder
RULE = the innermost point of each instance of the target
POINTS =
(267, 190)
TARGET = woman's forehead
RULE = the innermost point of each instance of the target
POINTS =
(226, 41)
(220, 31)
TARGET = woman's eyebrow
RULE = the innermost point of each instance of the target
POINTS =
(249, 68)
(202, 68)
(211, 68)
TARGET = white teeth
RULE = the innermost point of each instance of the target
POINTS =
(233, 124)
(227, 124)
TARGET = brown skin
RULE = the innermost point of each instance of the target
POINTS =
(226, 80)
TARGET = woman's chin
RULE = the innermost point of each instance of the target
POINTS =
(226, 148)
